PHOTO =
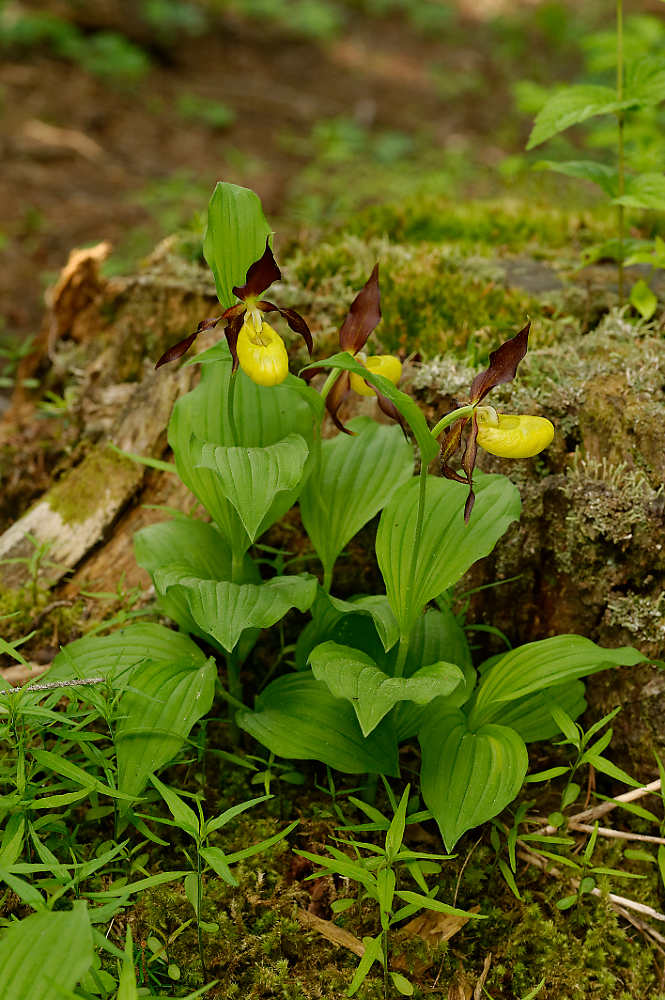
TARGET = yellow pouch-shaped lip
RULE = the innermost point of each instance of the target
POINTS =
(262, 355)
(515, 436)
(381, 364)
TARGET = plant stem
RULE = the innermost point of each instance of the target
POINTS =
(234, 696)
(333, 375)
(621, 163)
(230, 415)
(450, 418)
(417, 536)
(327, 579)
(199, 901)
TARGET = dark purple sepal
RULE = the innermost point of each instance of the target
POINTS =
(363, 316)
(177, 350)
(232, 332)
(388, 407)
(503, 364)
(449, 473)
(260, 275)
(468, 506)
(336, 397)
(293, 318)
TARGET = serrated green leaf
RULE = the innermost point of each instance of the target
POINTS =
(354, 479)
(429, 446)
(544, 664)
(297, 717)
(606, 177)
(643, 299)
(351, 674)
(224, 610)
(572, 106)
(235, 237)
(157, 712)
(468, 776)
(252, 478)
(448, 546)
(644, 191)
(644, 81)
(45, 951)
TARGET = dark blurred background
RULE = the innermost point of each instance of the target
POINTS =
(117, 116)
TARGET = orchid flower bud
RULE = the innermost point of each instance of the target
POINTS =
(381, 364)
(261, 353)
(512, 436)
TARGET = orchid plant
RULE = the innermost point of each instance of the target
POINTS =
(375, 670)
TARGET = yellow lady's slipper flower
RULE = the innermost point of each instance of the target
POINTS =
(265, 355)
(502, 434)
(261, 353)
(513, 435)
(381, 364)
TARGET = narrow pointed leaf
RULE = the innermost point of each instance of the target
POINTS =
(224, 610)
(45, 952)
(353, 675)
(468, 777)
(298, 718)
(235, 237)
(544, 664)
(448, 546)
(252, 478)
(429, 446)
(184, 816)
(606, 177)
(355, 477)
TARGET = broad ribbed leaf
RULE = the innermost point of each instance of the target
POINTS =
(157, 712)
(644, 191)
(531, 716)
(354, 478)
(263, 416)
(606, 177)
(235, 237)
(45, 953)
(378, 608)
(351, 674)
(223, 609)
(364, 623)
(297, 717)
(252, 478)
(468, 777)
(448, 546)
(98, 656)
(429, 446)
(545, 664)
(570, 107)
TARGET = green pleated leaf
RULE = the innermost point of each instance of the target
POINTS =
(224, 610)
(235, 237)
(351, 674)
(545, 664)
(468, 777)
(45, 953)
(355, 477)
(644, 191)
(448, 546)
(263, 416)
(531, 716)
(377, 607)
(436, 636)
(606, 177)
(99, 656)
(298, 718)
(366, 623)
(429, 446)
(157, 713)
(252, 478)
(570, 107)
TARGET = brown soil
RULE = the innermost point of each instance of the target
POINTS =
(78, 153)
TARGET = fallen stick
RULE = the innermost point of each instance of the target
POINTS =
(54, 685)
(604, 807)
(605, 831)
(331, 932)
